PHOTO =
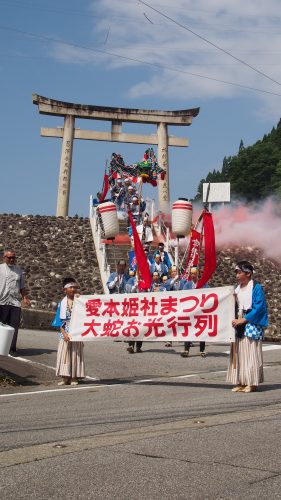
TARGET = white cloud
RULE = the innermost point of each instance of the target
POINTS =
(249, 30)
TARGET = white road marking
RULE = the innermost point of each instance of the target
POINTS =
(199, 373)
(271, 347)
(31, 393)
(25, 360)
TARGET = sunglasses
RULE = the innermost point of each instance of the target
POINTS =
(12, 257)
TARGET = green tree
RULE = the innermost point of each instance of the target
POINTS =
(255, 172)
(241, 146)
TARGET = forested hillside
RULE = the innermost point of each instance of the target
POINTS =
(255, 172)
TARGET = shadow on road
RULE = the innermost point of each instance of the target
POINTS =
(192, 354)
(34, 351)
(205, 385)
(29, 380)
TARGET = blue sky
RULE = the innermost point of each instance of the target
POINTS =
(43, 51)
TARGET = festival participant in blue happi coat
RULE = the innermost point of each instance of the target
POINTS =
(116, 282)
(131, 192)
(131, 281)
(175, 282)
(157, 285)
(246, 363)
(148, 254)
(163, 255)
(118, 194)
(158, 266)
(70, 356)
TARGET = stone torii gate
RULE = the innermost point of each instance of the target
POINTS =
(116, 116)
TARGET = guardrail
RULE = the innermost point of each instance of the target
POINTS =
(99, 245)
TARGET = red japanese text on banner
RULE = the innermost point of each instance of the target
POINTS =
(193, 254)
(199, 314)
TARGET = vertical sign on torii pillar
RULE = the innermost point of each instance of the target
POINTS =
(163, 185)
(65, 167)
(116, 116)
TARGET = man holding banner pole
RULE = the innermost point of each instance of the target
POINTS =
(187, 345)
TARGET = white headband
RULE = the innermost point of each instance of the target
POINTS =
(244, 269)
(71, 285)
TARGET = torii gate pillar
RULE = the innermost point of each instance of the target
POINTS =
(65, 166)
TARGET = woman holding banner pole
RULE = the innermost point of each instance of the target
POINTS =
(245, 369)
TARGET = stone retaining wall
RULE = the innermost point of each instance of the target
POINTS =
(36, 319)
(50, 249)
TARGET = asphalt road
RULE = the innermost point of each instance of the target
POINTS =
(142, 426)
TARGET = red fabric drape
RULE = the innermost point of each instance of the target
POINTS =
(104, 189)
(209, 249)
(141, 258)
(193, 253)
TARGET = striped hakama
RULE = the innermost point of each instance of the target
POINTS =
(70, 359)
(249, 362)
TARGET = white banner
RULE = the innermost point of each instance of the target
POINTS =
(195, 315)
(219, 192)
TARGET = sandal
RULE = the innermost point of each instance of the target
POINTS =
(238, 388)
(64, 381)
(250, 388)
(185, 354)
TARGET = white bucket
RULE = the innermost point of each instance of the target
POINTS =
(110, 223)
(6, 337)
(181, 217)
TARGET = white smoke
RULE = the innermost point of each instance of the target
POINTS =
(245, 225)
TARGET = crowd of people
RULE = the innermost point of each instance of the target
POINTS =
(245, 370)
(164, 277)
(125, 195)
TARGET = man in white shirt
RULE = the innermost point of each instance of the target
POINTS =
(12, 292)
(145, 232)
